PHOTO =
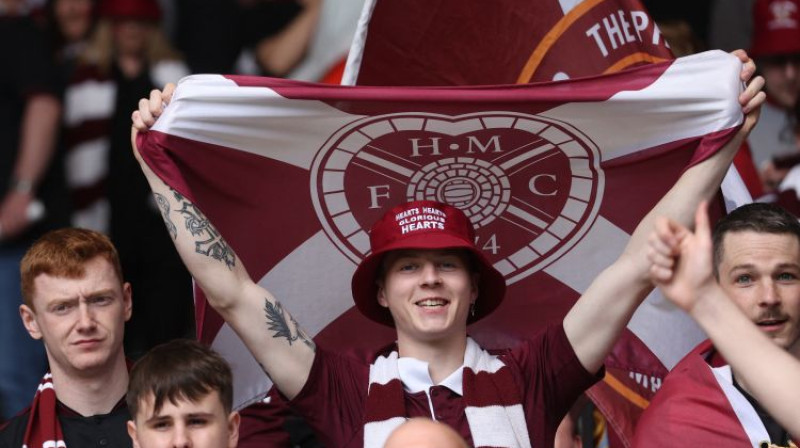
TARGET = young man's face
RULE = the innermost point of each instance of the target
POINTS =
(761, 273)
(428, 292)
(80, 320)
(201, 424)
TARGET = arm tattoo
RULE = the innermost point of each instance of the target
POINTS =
(276, 321)
(163, 206)
(209, 241)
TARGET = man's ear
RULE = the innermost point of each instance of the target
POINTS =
(28, 317)
(127, 297)
(382, 294)
(233, 429)
(132, 433)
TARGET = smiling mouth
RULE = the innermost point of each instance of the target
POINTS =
(432, 303)
(770, 323)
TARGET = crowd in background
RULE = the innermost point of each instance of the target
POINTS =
(75, 69)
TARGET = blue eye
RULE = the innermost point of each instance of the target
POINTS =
(62, 308)
(786, 276)
(449, 265)
(407, 266)
(744, 279)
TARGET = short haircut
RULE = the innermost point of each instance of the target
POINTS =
(64, 253)
(756, 217)
(176, 370)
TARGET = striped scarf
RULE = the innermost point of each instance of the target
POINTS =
(44, 428)
(493, 405)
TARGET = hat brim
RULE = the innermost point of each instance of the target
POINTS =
(491, 283)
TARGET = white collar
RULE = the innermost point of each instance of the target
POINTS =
(417, 378)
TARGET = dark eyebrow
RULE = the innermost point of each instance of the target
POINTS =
(200, 414)
(157, 419)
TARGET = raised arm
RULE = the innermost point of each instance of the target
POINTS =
(682, 268)
(37, 143)
(596, 321)
(278, 343)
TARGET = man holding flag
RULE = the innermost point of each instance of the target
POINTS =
(426, 270)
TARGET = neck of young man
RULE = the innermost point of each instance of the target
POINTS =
(444, 355)
(92, 393)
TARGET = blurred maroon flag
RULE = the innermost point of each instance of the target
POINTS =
(457, 42)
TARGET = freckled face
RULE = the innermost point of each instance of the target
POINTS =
(80, 320)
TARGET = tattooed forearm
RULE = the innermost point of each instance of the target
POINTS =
(280, 326)
(163, 206)
(209, 241)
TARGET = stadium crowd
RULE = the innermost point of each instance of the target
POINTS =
(96, 296)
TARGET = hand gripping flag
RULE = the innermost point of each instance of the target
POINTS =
(554, 176)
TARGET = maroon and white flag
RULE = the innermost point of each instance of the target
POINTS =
(457, 42)
(554, 176)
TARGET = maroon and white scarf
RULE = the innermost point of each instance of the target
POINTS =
(493, 404)
(44, 428)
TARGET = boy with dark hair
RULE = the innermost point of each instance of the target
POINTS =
(181, 394)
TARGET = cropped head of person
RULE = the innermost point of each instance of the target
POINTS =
(776, 49)
(180, 394)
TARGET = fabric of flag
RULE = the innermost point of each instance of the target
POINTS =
(555, 177)
(457, 42)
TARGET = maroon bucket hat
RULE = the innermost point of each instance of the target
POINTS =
(776, 28)
(423, 225)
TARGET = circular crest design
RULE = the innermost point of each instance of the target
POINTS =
(531, 186)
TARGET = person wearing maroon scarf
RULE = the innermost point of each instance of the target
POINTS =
(426, 278)
(77, 303)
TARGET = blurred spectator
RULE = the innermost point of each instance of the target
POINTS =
(126, 57)
(682, 40)
(776, 49)
(325, 53)
(731, 24)
(213, 34)
(69, 24)
(31, 188)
